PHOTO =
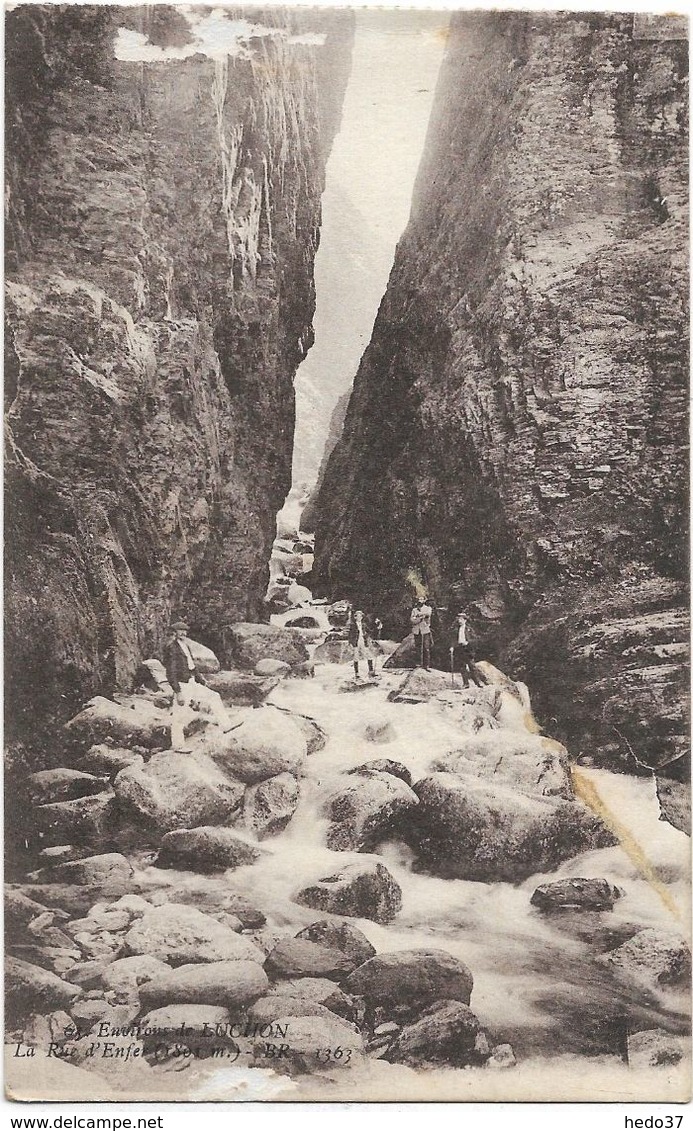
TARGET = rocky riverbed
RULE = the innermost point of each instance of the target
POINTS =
(359, 887)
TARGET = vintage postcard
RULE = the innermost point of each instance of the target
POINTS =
(346, 554)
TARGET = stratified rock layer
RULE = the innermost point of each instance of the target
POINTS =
(517, 431)
(163, 221)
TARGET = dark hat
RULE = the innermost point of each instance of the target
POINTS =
(176, 624)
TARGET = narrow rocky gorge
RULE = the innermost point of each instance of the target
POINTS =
(517, 432)
(359, 888)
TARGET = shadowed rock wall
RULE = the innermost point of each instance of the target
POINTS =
(517, 431)
(162, 224)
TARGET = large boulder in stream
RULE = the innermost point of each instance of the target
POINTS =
(248, 643)
(178, 791)
(576, 894)
(367, 811)
(242, 689)
(474, 829)
(302, 958)
(517, 760)
(341, 936)
(136, 722)
(177, 934)
(364, 891)
(267, 743)
(652, 960)
(269, 806)
(407, 981)
(232, 985)
(204, 849)
(447, 1033)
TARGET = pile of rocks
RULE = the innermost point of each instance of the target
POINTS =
(164, 979)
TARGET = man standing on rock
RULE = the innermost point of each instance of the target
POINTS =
(461, 654)
(189, 688)
(421, 627)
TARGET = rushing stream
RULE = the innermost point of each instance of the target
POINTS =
(536, 983)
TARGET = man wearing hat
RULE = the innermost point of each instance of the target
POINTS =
(461, 653)
(188, 687)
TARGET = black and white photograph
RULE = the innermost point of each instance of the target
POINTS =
(346, 623)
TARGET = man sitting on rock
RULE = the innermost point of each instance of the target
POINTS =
(190, 692)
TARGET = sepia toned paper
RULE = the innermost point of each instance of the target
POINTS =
(347, 716)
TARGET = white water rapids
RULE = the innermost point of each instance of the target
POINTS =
(536, 984)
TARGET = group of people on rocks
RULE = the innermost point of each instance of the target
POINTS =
(191, 692)
(460, 650)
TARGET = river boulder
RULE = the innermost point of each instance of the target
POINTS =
(535, 765)
(367, 811)
(267, 743)
(175, 791)
(272, 667)
(242, 689)
(31, 989)
(135, 723)
(652, 1048)
(302, 958)
(365, 891)
(125, 975)
(206, 661)
(446, 1034)
(576, 894)
(316, 1044)
(86, 820)
(341, 936)
(385, 766)
(204, 849)
(266, 1010)
(109, 760)
(247, 644)
(468, 828)
(47, 786)
(104, 869)
(322, 991)
(651, 960)
(227, 984)
(404, 982)
(269, 806)
(178, 934)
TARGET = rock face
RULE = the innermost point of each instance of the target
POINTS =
(163, 222)
(517, 429)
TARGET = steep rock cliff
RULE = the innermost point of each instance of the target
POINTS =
(162, 223)
(517, 431)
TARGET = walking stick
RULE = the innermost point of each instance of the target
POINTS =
(452, 667)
